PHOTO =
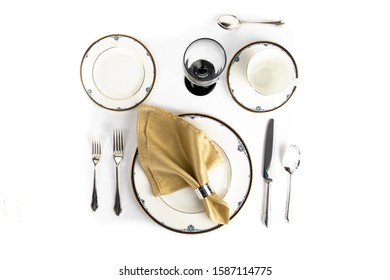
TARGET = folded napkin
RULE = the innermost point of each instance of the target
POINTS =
(175, 154)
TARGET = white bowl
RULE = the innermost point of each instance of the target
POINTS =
(270, 71)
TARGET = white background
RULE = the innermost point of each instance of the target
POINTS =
(338, 117)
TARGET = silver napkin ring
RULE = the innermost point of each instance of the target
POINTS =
(204, 191)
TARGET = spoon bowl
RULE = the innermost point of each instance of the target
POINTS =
(291, 161)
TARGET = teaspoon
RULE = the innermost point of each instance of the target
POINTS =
(291, 161)
(231, 22)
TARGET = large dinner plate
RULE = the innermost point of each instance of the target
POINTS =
(118, 72)
(182, 211)
(240, 88)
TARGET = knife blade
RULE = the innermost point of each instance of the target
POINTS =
(268, 171)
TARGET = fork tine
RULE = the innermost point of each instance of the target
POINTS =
(96, 146)
(93, 146)
(114, 140)
(121, 141)
(118, 144)
(117, 141)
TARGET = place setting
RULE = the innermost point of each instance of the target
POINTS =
(191, 172)
(212, 159)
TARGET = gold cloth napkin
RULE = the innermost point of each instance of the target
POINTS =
(175, 154)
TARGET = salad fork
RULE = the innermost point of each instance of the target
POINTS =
(118, 156)
(96, 153)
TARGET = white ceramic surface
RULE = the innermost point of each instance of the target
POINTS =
(270, 71)
(118, 72)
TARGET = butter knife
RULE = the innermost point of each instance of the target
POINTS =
(268, 171)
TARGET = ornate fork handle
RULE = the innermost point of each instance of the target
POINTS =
(117, 205)
(94, 203)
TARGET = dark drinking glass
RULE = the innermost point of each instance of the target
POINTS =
(204, 61)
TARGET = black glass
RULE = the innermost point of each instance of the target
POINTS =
(204, 61)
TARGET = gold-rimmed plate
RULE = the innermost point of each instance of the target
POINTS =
(182, 211)
(240, 88)
(118, 72)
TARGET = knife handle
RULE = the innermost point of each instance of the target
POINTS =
(267, 205)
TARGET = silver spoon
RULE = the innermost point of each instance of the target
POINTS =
(291, 160)
(231, 22)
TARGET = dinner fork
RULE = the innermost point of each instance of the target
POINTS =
(118, 156)
(96, 153)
